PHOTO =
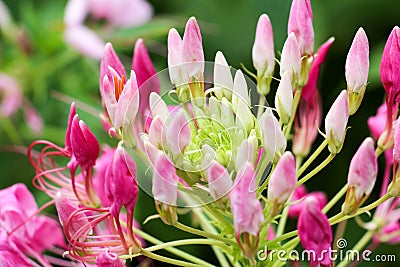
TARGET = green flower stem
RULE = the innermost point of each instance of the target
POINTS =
(312, 157)
(192, 241)
(316, 170)
(175, 251)
(157, 257)
(206, 225)
(296, 101)
(204, 234)
(335, 199)
(282, 222)
(359, 246)
(286, 236)
(11, 131)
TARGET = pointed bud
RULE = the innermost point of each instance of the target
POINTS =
(72, 113)
(274, 141)
(122, 186)
(357, 66)
(300, 23)
(165, 189)
(240, 91)
(109, 259)
(177, 70)
(146, 76)
(362, 176)
(158, 107)
(192, 49)
(291, 58)
(223, 82)
(284, 98)
(84, 145)
(283, 180)
(178, 133)
(315, 232)
(263, 49)
(246, 210)
(390, 65)
(336, 122)
(219, 180)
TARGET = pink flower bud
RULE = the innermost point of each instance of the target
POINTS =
(274, 140)
(362, 176)
(363, 169)
(192, 49)
(390, 65)
(291, 58)
(283, 179)
(84, 145)
(284, 98)
(300, 23)
(146, 77)
(357, 63)
(263, 48)
(121, 184)
(109, 259)
(72, 113)
(178, 133)
(246, 210)
(177, 70)
(110, 59)
(315, 232)
(219, 180)
(336, 122)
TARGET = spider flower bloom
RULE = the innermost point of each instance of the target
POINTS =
(246, 210)
(336, 122)
(284, 98)
(309, 113)
(390, 77)
(291, 59)
(282, 183)
(263, 53)
(362, 175)
(357, 66)
(300, 23)
(315, 233)
(165, 189)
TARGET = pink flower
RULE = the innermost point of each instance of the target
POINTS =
(99, 178)
(121, 184)
(118, 13)
(315, 232)
(283, 180)
(377, 123)
(300, 23)
(299, 197)
(362, 175)
(109, 259)
(10, 256)
(11, 95)
(146, 76)
(246, 210)
(263, 49)
(336, 122)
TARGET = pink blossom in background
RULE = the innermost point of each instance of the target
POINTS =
(116, 13)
